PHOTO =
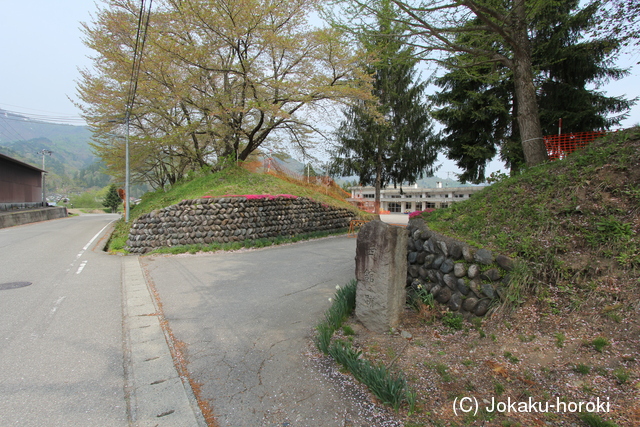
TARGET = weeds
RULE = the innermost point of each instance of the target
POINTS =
(510, 357)
(594, 420)
(599, 344)
(344, 303)
(582, 369)
(390, 388)
(622, 375)
(452, 321)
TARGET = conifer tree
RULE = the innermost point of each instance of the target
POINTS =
(112, 200)
(478, 109)
(387, 142)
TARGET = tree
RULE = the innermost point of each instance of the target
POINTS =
(497, 32)
(619, 19)
(477, 102)
(386, 142)
(218, 80)
(112, 199)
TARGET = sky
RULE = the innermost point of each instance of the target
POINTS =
(41, 49)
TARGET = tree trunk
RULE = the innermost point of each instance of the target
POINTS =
(378, 185)
(528, 115)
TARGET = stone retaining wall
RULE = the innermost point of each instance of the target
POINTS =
(230, 219)
(468, 280)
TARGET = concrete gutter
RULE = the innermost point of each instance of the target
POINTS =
(26, 216)
(157, 395)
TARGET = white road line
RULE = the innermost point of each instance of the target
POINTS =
(81, 267)
(56, 305)
(94, 238)
(85, 248)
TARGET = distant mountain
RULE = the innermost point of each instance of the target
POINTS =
(23, 138)
(295, 166)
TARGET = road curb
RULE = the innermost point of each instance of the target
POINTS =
(157, 396)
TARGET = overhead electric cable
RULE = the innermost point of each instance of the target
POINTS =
(141, 36)
(55, 118)
(6, 125)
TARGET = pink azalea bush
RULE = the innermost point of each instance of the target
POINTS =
(262, 196)
(419, 213)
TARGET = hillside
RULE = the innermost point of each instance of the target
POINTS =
(72, 163)
(231, 181)
(568, 330)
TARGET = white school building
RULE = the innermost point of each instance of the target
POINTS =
(412, 199)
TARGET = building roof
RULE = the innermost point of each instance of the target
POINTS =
(18, 162)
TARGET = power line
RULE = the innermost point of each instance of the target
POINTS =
(141, 37)
(52, 120)
(53, 117)
(7, 126)
(42, 111)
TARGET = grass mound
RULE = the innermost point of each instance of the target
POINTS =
(231, 181)
(574, 220)
(570, 329)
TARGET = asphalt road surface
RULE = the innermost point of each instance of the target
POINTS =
(61, 351)
(246, 319)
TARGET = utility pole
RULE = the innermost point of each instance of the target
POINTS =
(43, 152)
(127, 172)
(127, 198)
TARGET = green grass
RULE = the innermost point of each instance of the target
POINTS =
(582, 369)
(622, 375)
(561, 203)
(453, 321)
(560, 338)
(231, 181)
(343, 304)
(599, 344)
(391, 388)
(510, 357)
(594, 420)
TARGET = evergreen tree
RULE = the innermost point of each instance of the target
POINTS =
(112, 200)
(387, 142)
(478, 109)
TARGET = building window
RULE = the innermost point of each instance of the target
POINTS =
(395, 196)
(369, 196)
(430, 205)
(419, 206)
(395, 207)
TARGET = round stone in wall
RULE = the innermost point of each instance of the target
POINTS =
(447, 265)
(482, 308)
(455, 302)
(469, 304)
(444, 295)
(459, 269)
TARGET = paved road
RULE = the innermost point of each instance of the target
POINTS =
(60, 337)
(246, 319)
(82, 344)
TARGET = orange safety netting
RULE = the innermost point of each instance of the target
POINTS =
(559, 146)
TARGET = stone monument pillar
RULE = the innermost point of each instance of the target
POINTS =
(381, 272)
